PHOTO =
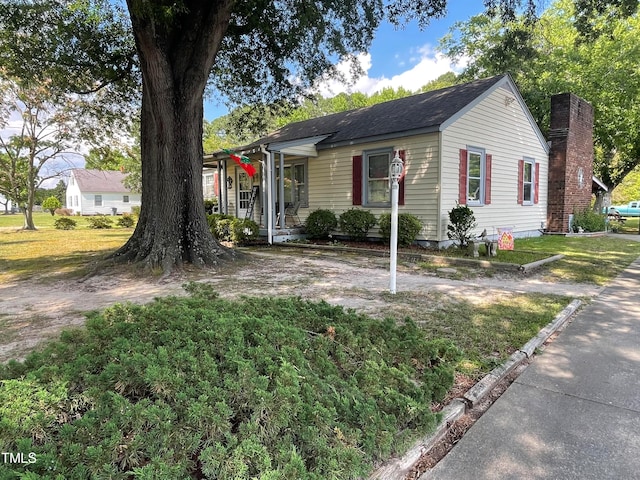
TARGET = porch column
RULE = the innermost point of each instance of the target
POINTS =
(219, 192)
(270, 167)
(225, 192)
(281, 192)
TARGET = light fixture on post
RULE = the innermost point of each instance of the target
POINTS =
(395, 172)
(229, 182)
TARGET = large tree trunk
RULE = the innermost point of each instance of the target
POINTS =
(176, 55)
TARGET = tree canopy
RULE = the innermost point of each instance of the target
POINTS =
(554, 56)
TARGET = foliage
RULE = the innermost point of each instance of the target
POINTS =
(126, 221)
(243, 230)
(231, 229)
(135, 211)
(100, 221)
(203, 387)
(588, 221)
(209, 205)
(409, 227)
(320, 223)
(356, 223)
(461, 224)
(65, 223)
(51, 204)
(553, 55)
(628, 189)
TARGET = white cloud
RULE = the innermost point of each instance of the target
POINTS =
(427, 65)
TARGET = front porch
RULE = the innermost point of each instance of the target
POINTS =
(267, 184)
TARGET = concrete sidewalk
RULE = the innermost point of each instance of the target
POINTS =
(574, 413)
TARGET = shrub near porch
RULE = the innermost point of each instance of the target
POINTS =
(207, 388)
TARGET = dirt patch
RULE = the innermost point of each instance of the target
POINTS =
(36, 310)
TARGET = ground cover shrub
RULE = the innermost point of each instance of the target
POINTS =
(356, 223)
(125, 221)
(320, 223)
(461, 224)
(220, 225)
(100, 221)
(65, 223)
(203, 387)
(409, 227)
(588, 221)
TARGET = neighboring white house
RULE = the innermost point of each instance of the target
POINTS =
(91, 192)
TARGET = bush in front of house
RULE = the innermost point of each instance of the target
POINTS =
(51, 204)
(135, 211)
(227, 228)
(356, 223)
(409, 227)
(320, 223)
(65, 223)
(208, 388)
(243, 231)
(100, 221)
(210, 205)
(589, 221)
(461, 224)
(126, 221)
(220, 225)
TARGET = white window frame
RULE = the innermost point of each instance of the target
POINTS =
(532, 182)
(97, 200)
(125, 199)
(365, 177)
(473, 151)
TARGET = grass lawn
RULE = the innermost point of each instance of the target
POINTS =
(48, 252)
(587, 259)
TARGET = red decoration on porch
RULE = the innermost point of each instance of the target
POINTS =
(244, 162)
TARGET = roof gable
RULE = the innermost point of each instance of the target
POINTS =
(100, 181)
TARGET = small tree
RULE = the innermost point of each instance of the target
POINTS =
(51, 204)
(461, 223)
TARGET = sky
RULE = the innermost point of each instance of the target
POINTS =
(397, 58)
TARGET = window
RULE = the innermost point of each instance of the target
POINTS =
(97, 201)
(370, 178)
(295, 182)
(528, 181)
(125, 199)
(377, 187)
(75, 200)
(474, 177)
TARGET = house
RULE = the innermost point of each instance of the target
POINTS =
(475, 144)
(91, 192)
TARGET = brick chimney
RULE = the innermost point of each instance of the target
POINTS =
(570, 159)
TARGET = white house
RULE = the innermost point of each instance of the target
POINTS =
(91, 192)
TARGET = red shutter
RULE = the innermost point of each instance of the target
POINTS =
(537, 183)
(401, 154)
(357, 180)
(462, 180)
(520, 182)
(487, 179)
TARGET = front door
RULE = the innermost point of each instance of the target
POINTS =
(244, 183)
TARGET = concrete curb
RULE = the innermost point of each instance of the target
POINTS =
(397, 469)
(417, 257)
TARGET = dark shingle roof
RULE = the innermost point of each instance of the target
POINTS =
(416, 112)
(103, 181)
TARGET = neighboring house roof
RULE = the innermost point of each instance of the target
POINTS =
(101, 181)
(416, 114)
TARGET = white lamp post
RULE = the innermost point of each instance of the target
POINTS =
(395, 172)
